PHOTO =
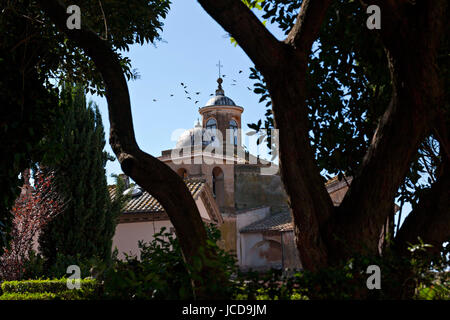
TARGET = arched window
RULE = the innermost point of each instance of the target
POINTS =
(234, 132)
(211, 126)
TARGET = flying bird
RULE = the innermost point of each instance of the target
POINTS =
(240, 71)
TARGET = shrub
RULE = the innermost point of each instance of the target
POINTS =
(270, 285)
(160, 272)
(54, 286)
(411, 277)
(29, 296)
(49, 290)
(59, 268)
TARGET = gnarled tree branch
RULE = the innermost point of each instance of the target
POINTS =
(411, 35)
(306, 28)
(430, 220)
(150, 173)
(239, 21)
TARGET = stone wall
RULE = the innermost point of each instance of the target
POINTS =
(254, 190)
(228, 233)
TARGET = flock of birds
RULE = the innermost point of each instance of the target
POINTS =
(189, 96)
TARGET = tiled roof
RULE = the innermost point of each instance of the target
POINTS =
(332, 180)
(277, 222)
(146, 203)
(336, 184)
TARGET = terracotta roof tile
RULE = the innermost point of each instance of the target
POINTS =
(277, 222)
(146, 203)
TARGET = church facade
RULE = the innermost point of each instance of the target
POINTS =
(231, 188)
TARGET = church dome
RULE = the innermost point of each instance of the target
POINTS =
(195, 136)
(220, 99)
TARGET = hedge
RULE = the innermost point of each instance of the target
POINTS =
(48, 290)
(29, 296)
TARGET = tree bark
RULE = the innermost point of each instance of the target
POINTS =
(151, 174)
(430, 220)
(411, 35)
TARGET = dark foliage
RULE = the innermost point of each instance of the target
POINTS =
(86, 228)
(348, 88)
(160, 271)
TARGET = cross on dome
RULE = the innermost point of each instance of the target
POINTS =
(219, 65)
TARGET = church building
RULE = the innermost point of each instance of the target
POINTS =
(231, 189)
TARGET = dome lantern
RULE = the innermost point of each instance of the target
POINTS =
(220, 99)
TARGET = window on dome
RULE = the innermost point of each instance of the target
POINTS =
(233, 132)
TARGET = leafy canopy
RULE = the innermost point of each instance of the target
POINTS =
(348, 88)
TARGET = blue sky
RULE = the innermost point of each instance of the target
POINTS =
(192, 44)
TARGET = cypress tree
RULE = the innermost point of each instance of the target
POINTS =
(85, 228)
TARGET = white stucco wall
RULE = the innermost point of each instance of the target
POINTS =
(127, 235)
(247, 241)
(243, 219)
(261, 252)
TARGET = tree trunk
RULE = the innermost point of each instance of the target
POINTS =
(417, 96)
(310, 203)
(151, 174)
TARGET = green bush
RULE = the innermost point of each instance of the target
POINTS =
(36, 267)
(59, 268)
(63, 295)
(49, 290)
(401, 278)
(160, 272)
(270, 285)
(29, 296)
